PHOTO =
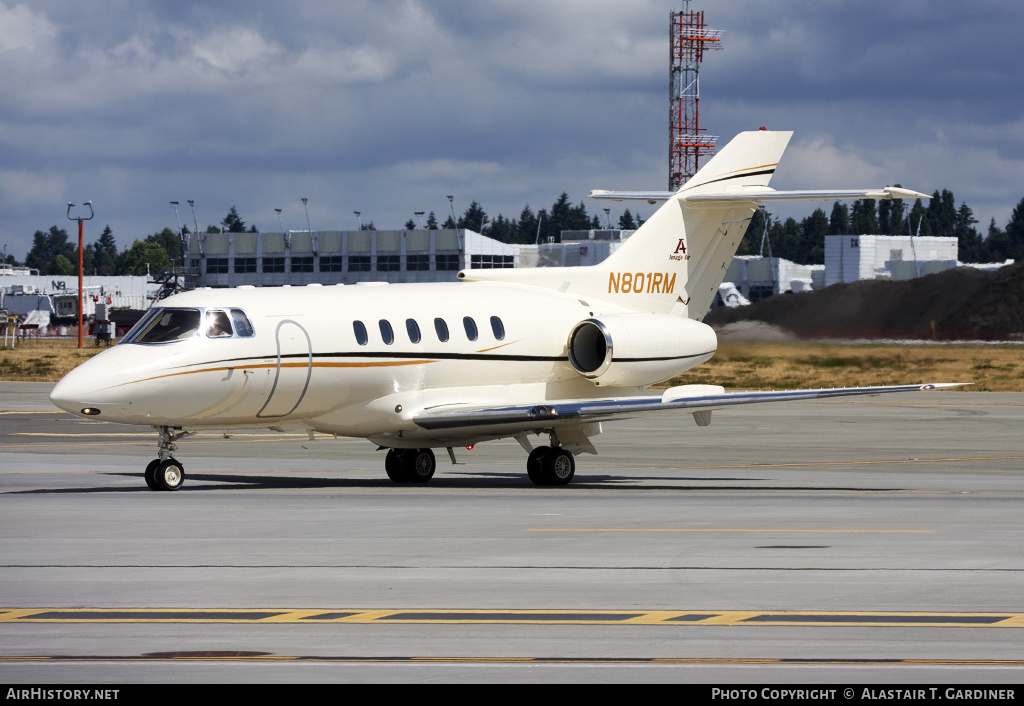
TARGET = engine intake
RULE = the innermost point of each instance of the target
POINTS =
(638, 349)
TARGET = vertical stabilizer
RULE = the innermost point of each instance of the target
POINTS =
(677, 259)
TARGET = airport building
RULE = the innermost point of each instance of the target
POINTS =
(297, 258)
(849, 258)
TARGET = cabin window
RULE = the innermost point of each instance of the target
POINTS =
(360, 330)
(165, 326)
(413, 330)
(442, 330)
(243, 327)
(470, 326)
(386, 332)
(497, 328)
(217, 324)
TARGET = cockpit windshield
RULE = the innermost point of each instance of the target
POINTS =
(164, 326)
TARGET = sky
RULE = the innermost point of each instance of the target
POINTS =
(388, 106)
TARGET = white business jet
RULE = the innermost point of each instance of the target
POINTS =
(548, 352)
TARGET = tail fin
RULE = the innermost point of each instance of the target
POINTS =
(675, 262)
(678, 258)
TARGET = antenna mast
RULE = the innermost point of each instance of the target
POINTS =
(689, 39)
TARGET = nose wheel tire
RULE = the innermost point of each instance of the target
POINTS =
(151, 474)
(166, 475)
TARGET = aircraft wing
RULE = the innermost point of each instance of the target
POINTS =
(700, 400)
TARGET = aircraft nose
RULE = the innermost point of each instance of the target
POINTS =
(81, 391)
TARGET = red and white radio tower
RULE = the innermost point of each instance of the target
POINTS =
(690, 38)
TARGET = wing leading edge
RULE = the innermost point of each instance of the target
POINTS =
(703, 399)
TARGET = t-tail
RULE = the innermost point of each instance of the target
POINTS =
(676, 261)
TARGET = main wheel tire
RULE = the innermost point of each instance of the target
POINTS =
(421, 465)
(151, 474)
(535, 465)
(396, 466)
(559, 467)
(170, 474)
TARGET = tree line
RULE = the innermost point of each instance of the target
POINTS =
(804, 241)
(799, 241)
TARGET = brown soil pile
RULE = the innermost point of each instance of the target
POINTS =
(964, 304)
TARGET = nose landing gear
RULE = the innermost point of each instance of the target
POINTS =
(164, 472)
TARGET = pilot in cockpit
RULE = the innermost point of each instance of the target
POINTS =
(217, 325)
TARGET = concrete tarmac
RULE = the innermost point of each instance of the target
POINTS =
(839, 541)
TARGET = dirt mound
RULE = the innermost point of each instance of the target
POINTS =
(964, 303)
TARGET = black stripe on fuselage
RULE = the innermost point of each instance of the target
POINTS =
(402, 355)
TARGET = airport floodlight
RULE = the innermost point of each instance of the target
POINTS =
(308, 226)
(419, 218)
(192, 205)
(279, 222)
(359, 218)
(81, 253)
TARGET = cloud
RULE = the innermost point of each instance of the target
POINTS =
(387, 106)
(21, 29)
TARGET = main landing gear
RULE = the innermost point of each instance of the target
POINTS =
(164, 472)
(550, 465)
(410, 465)
(547, 465)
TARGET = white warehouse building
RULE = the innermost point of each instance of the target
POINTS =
(849, 258)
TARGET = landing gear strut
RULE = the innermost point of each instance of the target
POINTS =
(410, 465)
(164, 472)
(550, 465)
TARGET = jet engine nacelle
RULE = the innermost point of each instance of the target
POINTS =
(638, 349)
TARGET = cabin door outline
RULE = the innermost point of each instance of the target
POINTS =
(294, 370)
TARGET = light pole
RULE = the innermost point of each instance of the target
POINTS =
(181, 233)
(195, 224)
(608, 218)
(81, 247)
(359, 218)
(419, 219)
(451, 205)
(304, 200)
(279, 222)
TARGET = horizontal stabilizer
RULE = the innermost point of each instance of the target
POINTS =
(760, 194)
(648, 196)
